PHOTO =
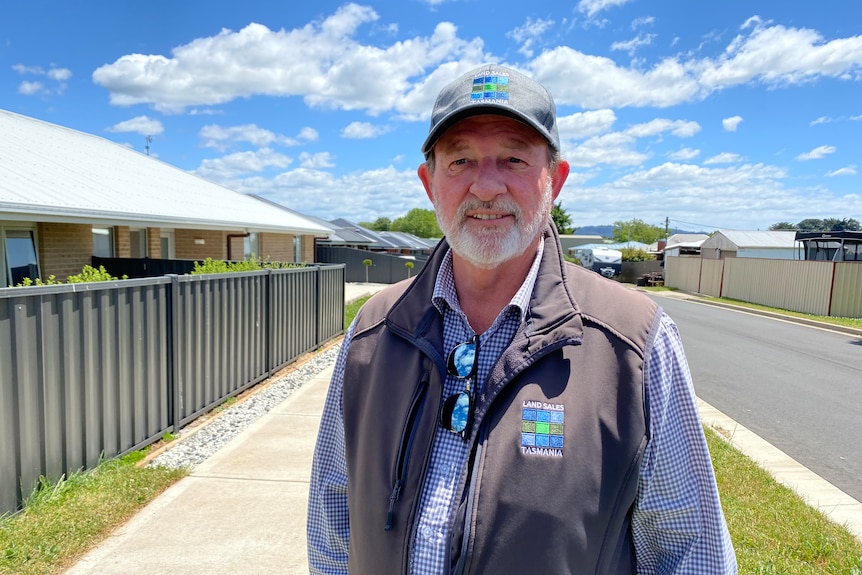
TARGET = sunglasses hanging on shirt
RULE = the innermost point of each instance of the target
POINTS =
(456, 414)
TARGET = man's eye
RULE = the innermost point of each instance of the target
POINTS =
(459, 162)
(515, 160)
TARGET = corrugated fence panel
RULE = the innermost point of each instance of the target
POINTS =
(71, 378)
(847, 290)
(294, 313)
(93, 370)
(682, 273)
(331, 302)
(801, 286)
(222, 332)
(710, 277)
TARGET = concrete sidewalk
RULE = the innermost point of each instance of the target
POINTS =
(241, 511)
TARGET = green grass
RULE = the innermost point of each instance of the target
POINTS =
(351, 309)
(65, 518)
(843, 321)
(773, 529)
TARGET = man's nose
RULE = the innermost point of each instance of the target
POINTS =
(488, 182)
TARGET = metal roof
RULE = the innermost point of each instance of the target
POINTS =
(735, 239)
(54, 174)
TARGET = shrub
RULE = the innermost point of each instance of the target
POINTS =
(88, 274)
(636, 255)
(211, 266)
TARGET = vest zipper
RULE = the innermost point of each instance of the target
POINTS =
(405, 446)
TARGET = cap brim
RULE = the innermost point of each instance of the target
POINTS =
(478, 110)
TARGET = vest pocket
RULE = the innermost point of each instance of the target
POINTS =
(405, 446)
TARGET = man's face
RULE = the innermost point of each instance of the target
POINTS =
(492, 187)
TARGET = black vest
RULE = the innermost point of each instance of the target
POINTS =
(557, 445)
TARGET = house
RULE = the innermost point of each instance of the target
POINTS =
(66, 196)
(750, 244)
(684, 245)
(351, 235)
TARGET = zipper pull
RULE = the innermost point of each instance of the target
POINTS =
(390, 515)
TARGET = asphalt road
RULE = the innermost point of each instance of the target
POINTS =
(797, 387)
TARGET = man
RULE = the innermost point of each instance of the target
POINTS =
(505, 411)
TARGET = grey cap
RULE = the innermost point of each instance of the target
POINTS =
(494, 89)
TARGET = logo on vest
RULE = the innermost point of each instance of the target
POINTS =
(542, 428)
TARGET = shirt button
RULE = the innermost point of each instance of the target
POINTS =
(427, 532)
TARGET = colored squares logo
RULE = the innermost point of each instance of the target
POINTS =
(542, 428)
(490, 88)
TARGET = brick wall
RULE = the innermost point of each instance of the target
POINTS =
(122, 242)
(308, 249)
(214, 246)
(154, 243)
(64, 249)
(276, 247)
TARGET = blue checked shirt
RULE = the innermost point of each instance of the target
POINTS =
(677, 523)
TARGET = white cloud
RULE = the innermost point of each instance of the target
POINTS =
(821, 120)
(730, 124)
(632, 45)
(362, 130)
(856, 118)
(321, 62)
(359, 196)
(816, 154)
(616, 148)
(221, 138)
(32, 88)
(142, 125)
(766, 54)
(684, 154)
(585, 124)
(846, 171)
(723, 158)
(235, 165)
(316, 161)
(593, 7)
(643, 21)
(527, 34)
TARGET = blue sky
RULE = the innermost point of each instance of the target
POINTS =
(732, 115)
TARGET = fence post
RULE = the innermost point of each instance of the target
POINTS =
(318, 315)
(268, 308)
(174, 412)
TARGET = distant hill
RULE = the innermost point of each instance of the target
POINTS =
(608, 231)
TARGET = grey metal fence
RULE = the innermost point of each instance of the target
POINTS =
(384, 269)
(97, 370)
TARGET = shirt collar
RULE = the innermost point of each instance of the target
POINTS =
(445, 296)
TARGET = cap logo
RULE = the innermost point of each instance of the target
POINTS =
(488, 87)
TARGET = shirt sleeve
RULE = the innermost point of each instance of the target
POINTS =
(328, 521)
(677, 522)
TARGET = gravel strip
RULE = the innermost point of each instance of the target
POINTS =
(194, 450)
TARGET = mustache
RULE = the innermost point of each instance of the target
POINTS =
(499, 205)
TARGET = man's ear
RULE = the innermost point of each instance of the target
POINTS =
(425, 177)
(558, 178)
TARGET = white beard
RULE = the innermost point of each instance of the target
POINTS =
(489, 247)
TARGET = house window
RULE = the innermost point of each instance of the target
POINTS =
(19, 255)
(251, 246)
(297, 249)
(166, 239)
(138, 243)
(103, 242)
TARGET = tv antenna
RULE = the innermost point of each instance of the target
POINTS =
(149, 140)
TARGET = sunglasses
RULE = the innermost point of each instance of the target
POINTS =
(457, 411)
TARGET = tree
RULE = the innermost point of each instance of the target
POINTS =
(379, 225)
(829, 225)
(637, 231)
(367, 264)
(419, 222)
(782, 226)
(562, 219)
